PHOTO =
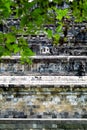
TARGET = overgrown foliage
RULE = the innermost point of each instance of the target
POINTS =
(33, 15)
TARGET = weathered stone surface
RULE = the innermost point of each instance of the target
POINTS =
(43, 102)
(43, 80)
(45, 65)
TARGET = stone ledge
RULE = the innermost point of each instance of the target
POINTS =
(44, 80)
(46, 57)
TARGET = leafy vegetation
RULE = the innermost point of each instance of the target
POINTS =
(33, 15)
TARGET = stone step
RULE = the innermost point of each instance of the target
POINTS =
(44, 80)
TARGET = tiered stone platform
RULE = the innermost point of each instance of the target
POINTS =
(55, 85)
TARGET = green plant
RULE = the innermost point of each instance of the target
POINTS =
(33, 15)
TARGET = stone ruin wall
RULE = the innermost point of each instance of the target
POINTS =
(22, 101)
